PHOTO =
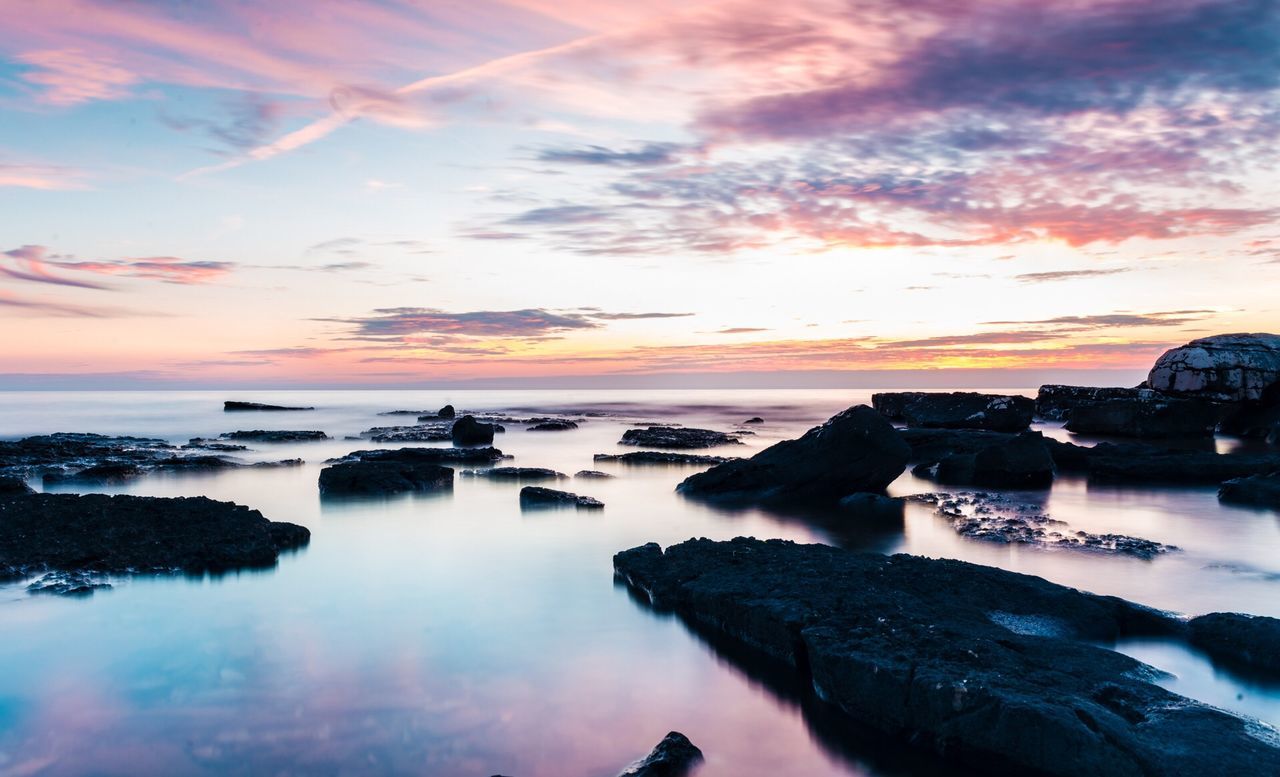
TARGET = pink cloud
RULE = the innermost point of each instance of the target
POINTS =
(69, 77)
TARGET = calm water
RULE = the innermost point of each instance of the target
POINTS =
(456, 635)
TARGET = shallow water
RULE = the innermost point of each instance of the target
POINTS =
(457, 635)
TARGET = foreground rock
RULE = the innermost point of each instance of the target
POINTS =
(1258, 490)
(468, 431)
(1248, 641)
(677, 438)
(535, 496)
(273, 435)
(1022, 461)
(383, 478)
(981, 665)
(662, 457)
(674, 756)
(956, 410)
(1127, 412)
(231, 406)
(1222, 368)
(11, 486)
(85, 533)
(517, 474)
(427, 455)
(1256, 419)
(855, 451)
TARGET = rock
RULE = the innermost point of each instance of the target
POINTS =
(199, 443)
(1250, 641)
(674, 756)
(1155, 416)
(980, 665)
(1255, 419)
(101, 474)
(468, 431)
(1223, 368)
(426, 455)
(416, 433)
(519, 474)
(446, 412)
(857, 450)
(383, 478)
(535, 496)
(265, 435)
(126, 534)
(956, 410)
(662, 457)
(426, 413)
(1020, 462)
(1256, 490)
(230, 406)
(67, 584)
(677, 437)
(1146, 464)
(754, 420)
(1054, 402)
(592, 473)
(14, 485)
(553, 426)
(933, 445)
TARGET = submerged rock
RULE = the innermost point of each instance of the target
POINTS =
(1244, 640)
(662, 457)
(232, 405)
(1223, 368)
(535, 496)
(977, 664)
(275, 435)
(67, 584)
(956, 410)
(857, 450)
(125, 534)
(674, 756)
(553, 426)
(383, 478)
(592, 473)
(754, 420)
(1256, 490)
(468, 431)
(677, 437)
(519, 474)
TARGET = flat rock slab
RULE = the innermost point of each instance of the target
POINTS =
(84, 533)
(981, 665)
(662, 457)
(553, 426)
(275, 435)
(517, 474)
(371, 478)
(956, 410)
(233, 406)
(677, 438)
(1258, 491)
(1244, 640)
(535, 496)
(428, 455)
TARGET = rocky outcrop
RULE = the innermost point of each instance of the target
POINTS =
(592, 473)
(855, 451)
(10, 486)
(1148, 464)
(1255, 419)
(1021, 461)
(1223, 368)
(72, 584)
(674, 756)
(956, 410)
(1256, 490)
(275, 435)
(96, 533)
(383, 478)
(754, 420)
(468, 431)
(1127, 412)
(662, 457)
(677, 438)
(1054, 402)
(536, 496)
(983, 666)
(517, 474)
(233, 406)
(553, 426)
(1248, 641)
(426, 455)
(415, 433)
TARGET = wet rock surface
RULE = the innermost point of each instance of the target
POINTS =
(553, 426)
(1005, 519)
(10, 486)
(427, 455)
(85, 533)
(980, 665)
(275, 435)
(468, 431)
(1020, 461)
(662, 457)
(956, 410)
(200, 443)
(1258, 490)
(233, 406)
(1248, 641)
(1223, 368)
(536, 496)
(518, 474)
(372, 478)
(754, 420)
(1150, 417)
(415, 433)
(855, 451)
(68, 584)
(675, 437)
(1054, 401)
(674, 756)
(1255, 419)
(592, 473)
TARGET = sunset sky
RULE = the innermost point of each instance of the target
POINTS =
(303, 192)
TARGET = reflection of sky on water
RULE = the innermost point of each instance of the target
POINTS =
(456, 635)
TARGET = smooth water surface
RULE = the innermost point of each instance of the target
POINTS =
(457, 635)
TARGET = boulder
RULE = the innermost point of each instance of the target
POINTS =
(1222, 368)
(383, 478)
(1249, 641)
(754, 420)
(674, 756)
(592, 473)
(535, 496)
(855, 451)
(233, 406)
(986, 667)
(518, 474)
(677, 437)
(124, 534)
(957, 410)
(468, 431)
(446, 412)
(1152, 416)
(1255, 490)
(1022, 461)
(275, 435)
(662, 457)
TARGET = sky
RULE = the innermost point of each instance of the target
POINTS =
(410, 192)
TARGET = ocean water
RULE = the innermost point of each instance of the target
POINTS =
(457, 635)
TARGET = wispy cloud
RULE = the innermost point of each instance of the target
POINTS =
(1067, 275)
(399, 323)
(36, 262)
(40, 176)
(648, 155)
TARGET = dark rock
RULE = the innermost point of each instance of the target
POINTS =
(857, 450)
(417, 433)
(754, 420)
(1250, 641)
(98, 474)
(677, 437)
(229, 406)
(1147, 464)
(199, 443)
(592, 473)
(662, 457)
(468, 431)
(674, 756)
(67, 584)
(553, 426)
(14, 485)
(121, 534)
(933, 445)
(1151, 417)
(518, 474)
(383, 478)
(446, 412)
(1223, 368)
(535, 496)
(1256, 490)
(426, 455)
(265, 435)
(956, 410)
(1255, 419)
(983, 666)
(425, 413)
(72, 450)
(1054, 402)
(1020, 462)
